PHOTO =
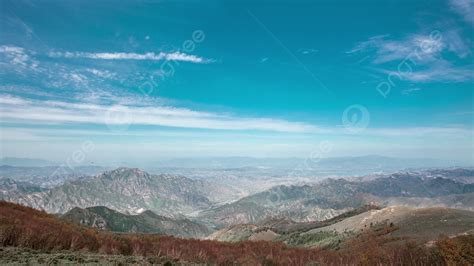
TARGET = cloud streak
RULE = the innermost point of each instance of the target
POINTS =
(14, 109)
(17, 109)
(387, 50)
(427, 57)
(465, 8)
(17, 57)
(441, 71)
(161, 56)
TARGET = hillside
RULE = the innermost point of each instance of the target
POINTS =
(332, 197)
(31, 236)
(10, 189)
(127, 190)
(422, 224)
(463, 201)
(397, 222)
(278, 226)
(146, 222)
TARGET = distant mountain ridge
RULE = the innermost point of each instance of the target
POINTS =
(104, 218)
(25, 162)
(128, 190)
(48, 176)
(355, 162)
(132, 191)
(331, 197)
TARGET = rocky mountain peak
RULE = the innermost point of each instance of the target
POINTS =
(125, 173)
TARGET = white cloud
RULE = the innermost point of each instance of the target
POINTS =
(441, 71)
(455, 43)
(387, 50)
(410, 91)
(12, 100)
(58, 112)
(105, 74)
(423, 57)
(465, 8)
(17, 57)
(65, 112)
(308, 51)
(175, 56)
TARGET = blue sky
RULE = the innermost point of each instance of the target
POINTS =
(159, 79)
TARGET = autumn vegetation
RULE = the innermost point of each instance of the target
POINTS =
(29, 228)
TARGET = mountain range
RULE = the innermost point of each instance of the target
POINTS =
(104, 218)
(25, 162)
(129, 191)
(394, 222)
(331, 197)
(48, 176)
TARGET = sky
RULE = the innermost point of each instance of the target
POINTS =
(110, 81)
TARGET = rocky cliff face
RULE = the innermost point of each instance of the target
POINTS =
(125, 190)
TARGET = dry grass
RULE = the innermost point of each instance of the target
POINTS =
(29, 228)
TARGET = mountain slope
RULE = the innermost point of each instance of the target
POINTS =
(332, 197)
(395, 223)
(125, 190)
(146, 222)
(278, 226)
(10, 189)
(29, 236)
(423, 224)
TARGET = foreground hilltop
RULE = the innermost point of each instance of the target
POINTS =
(31, 236)
(332, 197)
(395, 223)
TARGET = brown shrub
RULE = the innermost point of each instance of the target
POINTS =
(26, 227)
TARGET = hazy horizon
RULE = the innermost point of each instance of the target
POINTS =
(312, 161)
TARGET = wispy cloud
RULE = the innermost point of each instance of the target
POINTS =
(161, 56)
(440, 132)
(410, 91)
(11, 100)
(388, 50)
(308, 51)
(16, 54)
(17, 109)
(101, 73)
(455, 43)
(28, 111)
(17, 57)
(429, 56)
(441, 71)
(465, 8)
